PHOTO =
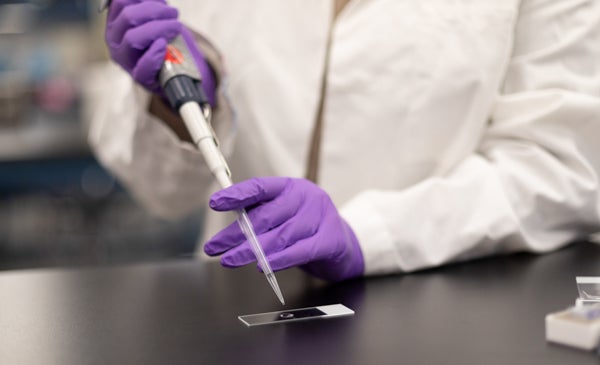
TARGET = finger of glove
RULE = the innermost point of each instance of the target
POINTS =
(261, 220)
(208, 77)
(243, 255)
(229, 237)
(137, 41)
(117, 6)
(146, 70)
(300, 253)
(279, 223)
(264, 218)
(249, 192)
(135, 15)
(322, 245)
(274, 241)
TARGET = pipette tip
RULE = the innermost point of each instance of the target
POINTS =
(273, 281)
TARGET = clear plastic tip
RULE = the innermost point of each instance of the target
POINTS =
(246, 227)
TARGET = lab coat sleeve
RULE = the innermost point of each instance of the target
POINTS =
(166, 175)
(532, 185)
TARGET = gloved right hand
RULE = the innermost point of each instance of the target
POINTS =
(137, 34)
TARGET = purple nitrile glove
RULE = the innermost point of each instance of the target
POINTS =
(296, 223)
(137, 33)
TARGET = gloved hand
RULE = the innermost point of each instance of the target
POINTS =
(137, 33)
(296, 223)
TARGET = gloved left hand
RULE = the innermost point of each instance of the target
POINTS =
(296, 223)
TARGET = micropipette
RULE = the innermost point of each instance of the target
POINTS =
(181, 80)
(181, 83)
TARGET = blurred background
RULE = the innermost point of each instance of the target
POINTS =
(58, 206)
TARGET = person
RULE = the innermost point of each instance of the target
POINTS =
(366, 138)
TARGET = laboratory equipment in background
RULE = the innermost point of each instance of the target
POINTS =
(579, 325)
(58, 206)
(44, 50)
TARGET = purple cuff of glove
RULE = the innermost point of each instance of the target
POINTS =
(356, 266)
(350, 267)
(209, 83)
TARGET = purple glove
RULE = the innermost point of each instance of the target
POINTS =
(296, 223)
(137, 33)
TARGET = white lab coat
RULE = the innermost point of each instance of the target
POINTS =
(452, 129)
